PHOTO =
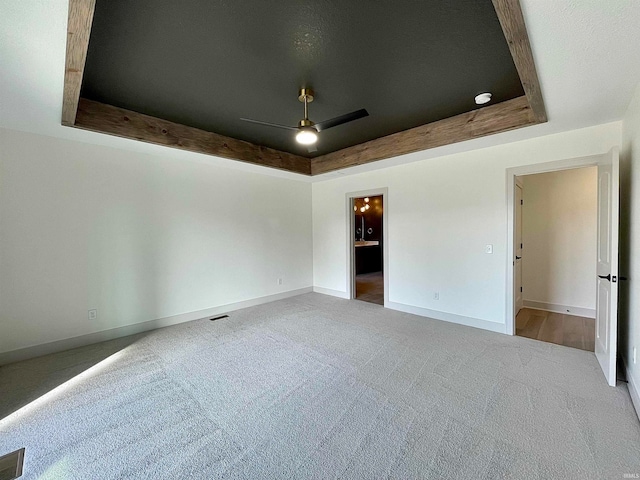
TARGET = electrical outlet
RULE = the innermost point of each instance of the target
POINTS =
(279, 281)
(93, 314)
(488, 248)
(436, 295)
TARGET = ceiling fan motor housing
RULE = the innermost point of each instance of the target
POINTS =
(306, 93)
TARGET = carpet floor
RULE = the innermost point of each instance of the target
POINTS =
(319, 387)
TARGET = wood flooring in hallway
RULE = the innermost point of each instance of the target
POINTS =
(370, 287)
(562, 329)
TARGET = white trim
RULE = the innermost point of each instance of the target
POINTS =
(511, 174)
(634, 391)
(350, 267)
(333, 293)
(448, 317)
(557, 308)
(126, 330)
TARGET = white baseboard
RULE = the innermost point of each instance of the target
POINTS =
(333, 293)
(634, 390)
(448, 317)
(556, 308)
(425, 312)
(101, 336)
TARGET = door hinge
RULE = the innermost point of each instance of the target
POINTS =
(520, 289)
(521, 202)
(520, 245)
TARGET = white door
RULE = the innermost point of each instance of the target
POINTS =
(518, 251)
(607, 271)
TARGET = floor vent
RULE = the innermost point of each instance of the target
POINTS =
(216, 318)
(11, 465)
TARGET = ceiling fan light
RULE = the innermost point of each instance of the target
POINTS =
(307, 136)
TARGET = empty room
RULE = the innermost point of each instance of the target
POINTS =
(263, 240)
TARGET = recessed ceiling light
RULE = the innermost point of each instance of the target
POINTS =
(483, 98)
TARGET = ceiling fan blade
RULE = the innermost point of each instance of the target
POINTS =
(269, 124)
(347, 117)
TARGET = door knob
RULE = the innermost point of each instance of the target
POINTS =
(608, 277)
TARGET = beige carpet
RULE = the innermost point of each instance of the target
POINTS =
(318, 387)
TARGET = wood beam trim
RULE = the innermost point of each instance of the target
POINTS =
(102, 118)
(150, 129)
(79, 24)
(496, 118)
(515, 32)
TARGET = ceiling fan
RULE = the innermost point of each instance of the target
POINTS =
(308, 130)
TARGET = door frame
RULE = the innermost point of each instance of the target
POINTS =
(351, 232)
(520, 184)
(512, 173)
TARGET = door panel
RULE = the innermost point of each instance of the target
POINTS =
(607, 266)
(518, 250)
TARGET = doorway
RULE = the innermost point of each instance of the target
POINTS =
(555, 256)
(372, 285)
(368, 248)
(606, 273)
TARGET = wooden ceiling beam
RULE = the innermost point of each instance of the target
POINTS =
(78, 31)
(509, 115)
(98, 117)
(102, 118)
(515, 32)
(496, 118)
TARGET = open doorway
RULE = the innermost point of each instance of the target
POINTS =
(608, 206)
(555, 256)
(368, 249)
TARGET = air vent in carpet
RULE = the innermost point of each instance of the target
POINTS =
(11, 465)
(219, 318)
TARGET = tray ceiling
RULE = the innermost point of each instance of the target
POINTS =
(205, 65)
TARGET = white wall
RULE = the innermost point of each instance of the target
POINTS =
(559, 235)
(137, 237)
(441, 213)
(630, 245)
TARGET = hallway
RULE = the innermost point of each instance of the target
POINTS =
(562, 329)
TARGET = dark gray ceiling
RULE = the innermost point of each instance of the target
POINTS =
(206, 63)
